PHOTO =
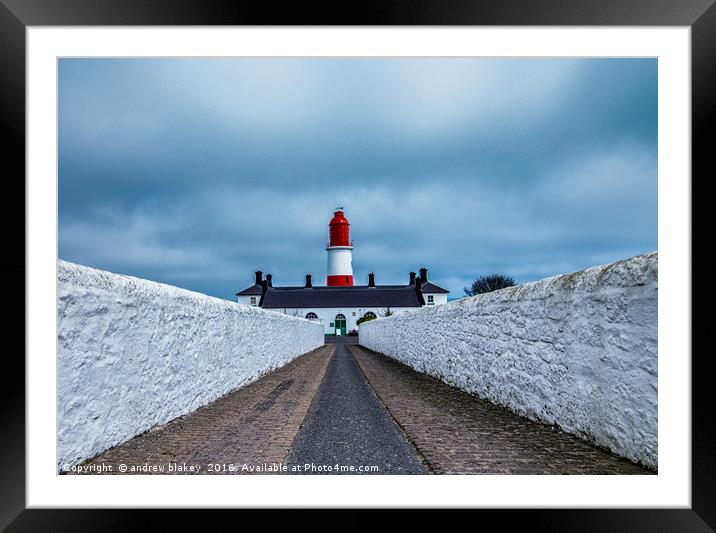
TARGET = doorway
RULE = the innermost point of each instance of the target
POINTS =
(340, 325)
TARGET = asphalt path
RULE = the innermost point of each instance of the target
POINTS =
(348, 430)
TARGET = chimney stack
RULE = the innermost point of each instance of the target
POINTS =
(259, 277)
(419, 290)
(308, 281)
(412, 278)
(269, 280)
(371, 280)
(424, 274)
(264, 286)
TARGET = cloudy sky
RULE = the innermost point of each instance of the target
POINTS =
(196, 172)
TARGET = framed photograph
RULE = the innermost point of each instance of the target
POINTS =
(422, 243)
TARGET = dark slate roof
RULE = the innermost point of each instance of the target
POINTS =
(254, 290)
(431, 288)
(356, 296)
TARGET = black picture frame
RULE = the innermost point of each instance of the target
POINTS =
(16, 15)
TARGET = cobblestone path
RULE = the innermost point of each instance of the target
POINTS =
(458, 433)
(252, 426)
(348, 431)
(345, 405)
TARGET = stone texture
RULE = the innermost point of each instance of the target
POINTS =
(264, 426)
(133, 354)
(253, 426)
(457, 433)
(577, 350)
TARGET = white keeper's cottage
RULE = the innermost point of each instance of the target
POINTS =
(340, 304)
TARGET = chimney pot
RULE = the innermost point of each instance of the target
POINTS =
(424, 274)
(412, 278)
(308, 281)
(269, 280)
(259, 277)
(371, 279)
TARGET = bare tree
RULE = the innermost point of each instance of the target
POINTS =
(489, 283)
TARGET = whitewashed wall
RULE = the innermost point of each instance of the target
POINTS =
(577, 350)
(327, 315)
(438, 298)
(134, 353)
(246, 300)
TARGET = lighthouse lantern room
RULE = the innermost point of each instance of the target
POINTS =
(340, 251)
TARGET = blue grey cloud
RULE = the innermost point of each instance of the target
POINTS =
(195, 172)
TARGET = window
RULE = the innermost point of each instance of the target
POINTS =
(369, 314)
(340, 317)
(253, 300)
(312, 316)
(431, 301)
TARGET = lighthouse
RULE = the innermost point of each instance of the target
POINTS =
(340, 251)
(341, 306)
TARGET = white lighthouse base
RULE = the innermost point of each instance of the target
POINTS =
(339, 272)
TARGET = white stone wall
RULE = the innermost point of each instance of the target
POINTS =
(577, 350)
(133, 354)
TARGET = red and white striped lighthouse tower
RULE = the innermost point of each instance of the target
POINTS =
(340, 251)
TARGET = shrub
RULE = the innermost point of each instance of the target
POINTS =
(364, 319)
(489, 283)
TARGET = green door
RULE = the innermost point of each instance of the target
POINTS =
(340, 325)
